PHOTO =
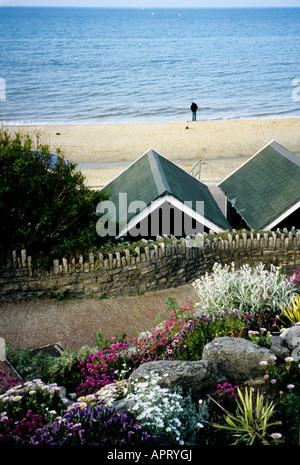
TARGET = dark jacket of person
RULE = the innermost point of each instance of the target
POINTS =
(194, 107)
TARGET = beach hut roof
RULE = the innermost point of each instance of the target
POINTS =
(153, 176)
(266, 188)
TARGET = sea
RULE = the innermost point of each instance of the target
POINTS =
(141, 65)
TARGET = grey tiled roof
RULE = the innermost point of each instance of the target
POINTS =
(265, 187)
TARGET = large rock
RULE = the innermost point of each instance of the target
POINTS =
(236, 358)
(279, 348)
(195, 377)
(291, 340)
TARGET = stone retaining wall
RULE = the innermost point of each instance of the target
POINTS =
(157, 265)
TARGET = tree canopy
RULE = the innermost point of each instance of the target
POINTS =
(45, 206)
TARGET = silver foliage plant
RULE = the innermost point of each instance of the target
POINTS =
(227, 288)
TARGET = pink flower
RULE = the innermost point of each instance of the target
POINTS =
(263, 363)
(276, 435)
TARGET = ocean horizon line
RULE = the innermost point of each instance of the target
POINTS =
(154, 8)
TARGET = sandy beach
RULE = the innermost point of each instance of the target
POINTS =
(105, 150)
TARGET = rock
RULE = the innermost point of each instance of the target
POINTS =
(291, 340)
(195, 377)
(123, 404)
(278, 347)
(236, 358)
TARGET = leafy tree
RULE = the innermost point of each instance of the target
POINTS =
(45, 205)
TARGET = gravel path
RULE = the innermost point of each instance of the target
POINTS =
(74, 323)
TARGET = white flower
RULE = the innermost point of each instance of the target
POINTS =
(263, 363)
(10, 391)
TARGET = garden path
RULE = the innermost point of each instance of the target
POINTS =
(75, 323)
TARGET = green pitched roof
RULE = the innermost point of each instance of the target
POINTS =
(152, 176)
(264, 187)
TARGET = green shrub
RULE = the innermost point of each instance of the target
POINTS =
(45, 207)
(28, 364)
(65, 369)
(188, 344)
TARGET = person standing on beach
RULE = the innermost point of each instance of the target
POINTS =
(194, 108)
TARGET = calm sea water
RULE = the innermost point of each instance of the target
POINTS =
(74, 65)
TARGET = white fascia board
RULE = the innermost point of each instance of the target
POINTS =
(283, 216)
(177, 204)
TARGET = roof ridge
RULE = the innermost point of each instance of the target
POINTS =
(159, 176)
(292, 157)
